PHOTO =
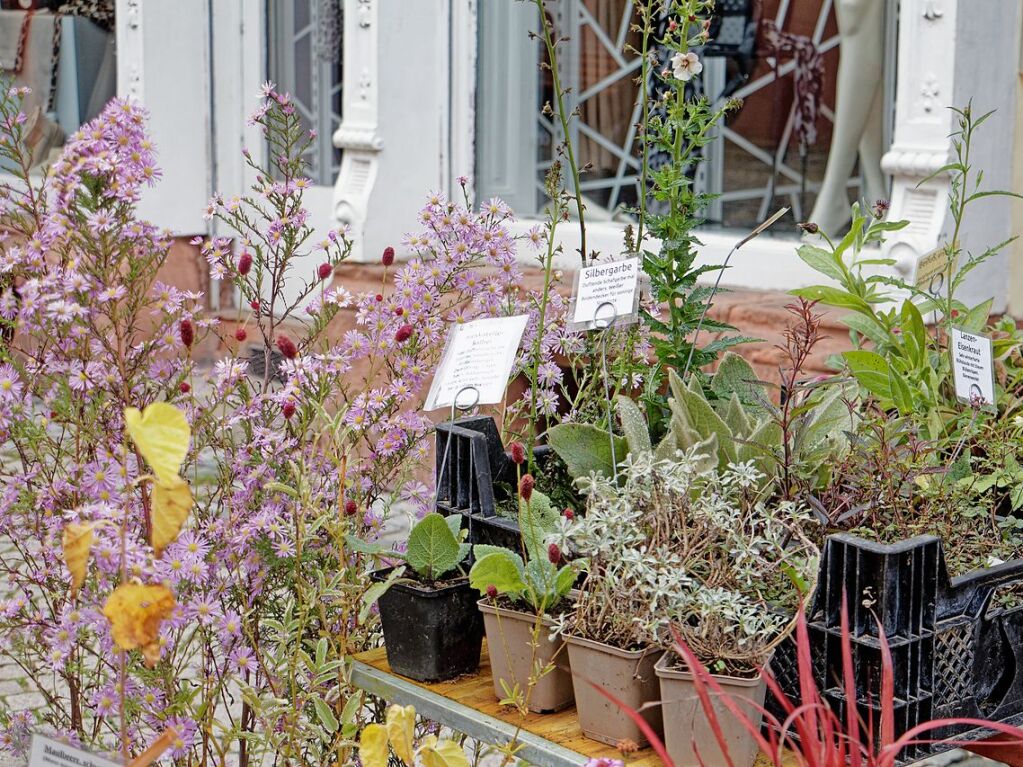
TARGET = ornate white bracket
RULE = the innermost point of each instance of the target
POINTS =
(939, 66)
(358, 135)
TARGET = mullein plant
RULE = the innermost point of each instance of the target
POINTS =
(670, 207)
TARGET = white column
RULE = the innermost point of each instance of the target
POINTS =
(163, 62)
(952, 52)
(399, 106)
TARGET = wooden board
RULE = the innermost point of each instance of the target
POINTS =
(468, 705)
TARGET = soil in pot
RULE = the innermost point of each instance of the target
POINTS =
(509, 634)
(628, 675)
(686, 728)
(432, 632)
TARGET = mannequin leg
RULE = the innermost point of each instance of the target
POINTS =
(861, 25)
(873, 185)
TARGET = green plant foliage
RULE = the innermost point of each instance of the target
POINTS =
(435, 547)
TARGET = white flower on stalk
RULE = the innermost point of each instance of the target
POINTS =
(685, 66)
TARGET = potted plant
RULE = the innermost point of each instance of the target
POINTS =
(432, 629)
(528, 661)
(675, 546)
(747, 563)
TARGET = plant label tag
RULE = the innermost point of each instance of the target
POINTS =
(973, 368)
(932, 271)
(606, 294)
(479, 356)
(47, 752)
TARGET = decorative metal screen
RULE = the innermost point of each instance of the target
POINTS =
(305, 60)
(758, 160)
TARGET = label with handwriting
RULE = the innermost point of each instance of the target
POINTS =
(47, 752)
(477, 362)
(605, 294)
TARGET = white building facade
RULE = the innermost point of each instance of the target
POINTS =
(410, 95)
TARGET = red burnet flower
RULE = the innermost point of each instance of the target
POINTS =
(492, 591)
(404, 334)
(399, 312)
(379, 298)
(526, 485)
(568, 514)
(288, 409)
(184, 387)
(287, 346)
(554, 553)
(187, 332)
(388, 256)
(244, 263)
(518, 453)
(254, 305)
(324, 271)
(240, 334)
(351, 507)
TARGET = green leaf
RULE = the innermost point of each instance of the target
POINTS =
(454, 522)
(481, 550)
(901, 394)
(832, 297)
(702, 419)
(866, 326)
(585, 448)
(376, 590)
(373, 549)
(499, 570)
(736, 419)
(637, 436)
(822, 261)
(735, 376)
(433, 549)
(537, 520)
(324, 714)
(349, 723)
(871, 370)
(914, 333)
(976, 318)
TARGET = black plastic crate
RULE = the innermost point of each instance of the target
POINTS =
(954, 654)
(474, 474)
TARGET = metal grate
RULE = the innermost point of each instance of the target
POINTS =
(305, 61)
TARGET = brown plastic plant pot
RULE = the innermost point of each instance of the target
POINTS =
(509, 634)
(686, 728)
(628, 675)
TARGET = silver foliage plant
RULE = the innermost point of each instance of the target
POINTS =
(675, 546)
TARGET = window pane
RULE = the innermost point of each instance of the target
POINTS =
(66, 59)
(305, 61)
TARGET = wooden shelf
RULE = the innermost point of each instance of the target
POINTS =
(468, 705)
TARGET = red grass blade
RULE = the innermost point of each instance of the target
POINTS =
(887, 690)
(852, 725)
(888, 754)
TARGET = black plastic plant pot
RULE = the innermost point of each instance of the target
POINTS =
(955, 654)
(431, 633)
(473, 472)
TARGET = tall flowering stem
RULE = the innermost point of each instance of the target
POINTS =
(547, 33)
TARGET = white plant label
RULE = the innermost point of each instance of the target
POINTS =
(605, 294)
(479, 356)
(47, 752)
(973, 367)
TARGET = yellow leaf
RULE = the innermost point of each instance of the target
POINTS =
(76, 543)
(135, 612)
(171, 503)
(161, 433)
(373, 746)
(401, 722)
(442, 753)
